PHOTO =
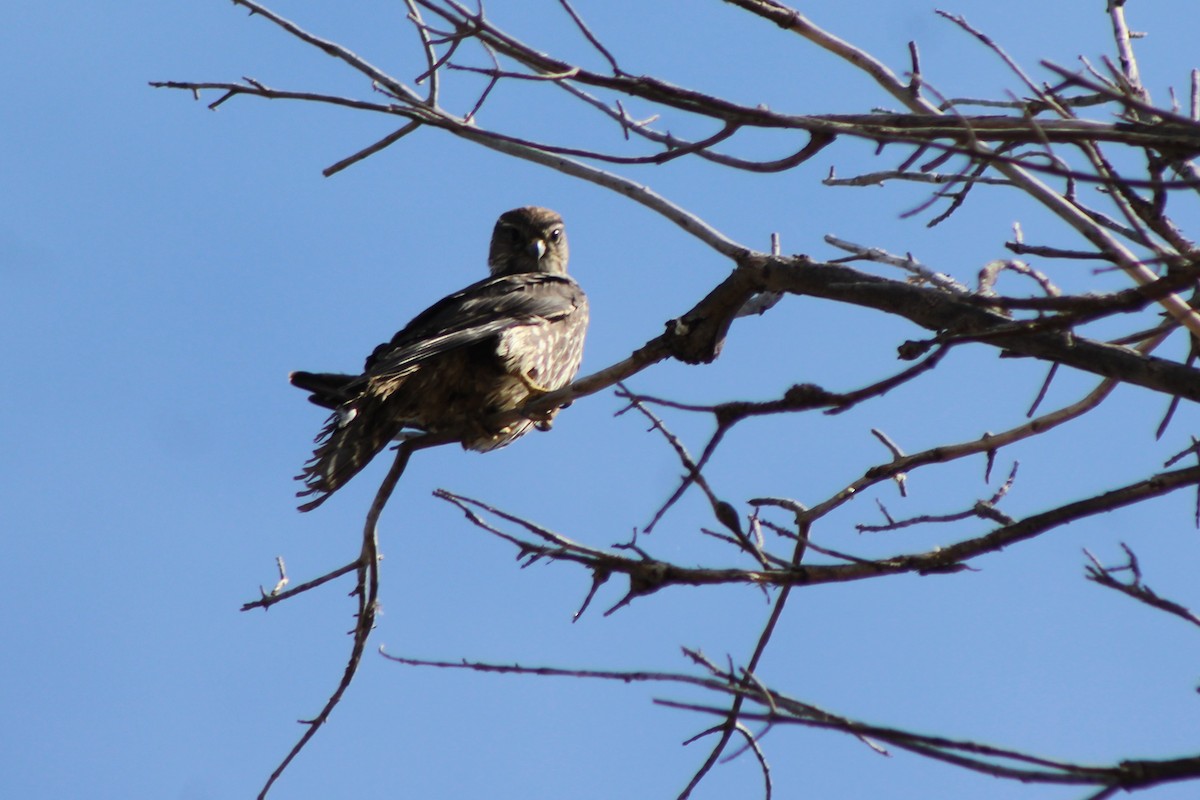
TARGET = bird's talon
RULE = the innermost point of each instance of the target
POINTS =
(533, 386)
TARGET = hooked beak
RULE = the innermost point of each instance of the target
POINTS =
(537, 248)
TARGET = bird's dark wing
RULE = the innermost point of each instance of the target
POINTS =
(475, 314)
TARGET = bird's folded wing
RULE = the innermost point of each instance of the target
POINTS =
(479, 312)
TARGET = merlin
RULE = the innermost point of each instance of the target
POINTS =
(463, 362)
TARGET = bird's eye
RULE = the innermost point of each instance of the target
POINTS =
(556, 234)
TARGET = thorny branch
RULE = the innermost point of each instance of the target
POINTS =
(648, 575)
(1134, 587)
(366, 590)
(776, 708)
(1039, 144)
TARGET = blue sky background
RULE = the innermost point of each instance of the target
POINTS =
(163, 267)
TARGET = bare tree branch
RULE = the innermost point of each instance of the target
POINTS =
(1106, 576)
(1113, 179)
(780, 709)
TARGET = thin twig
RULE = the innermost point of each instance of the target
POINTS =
(367, 591)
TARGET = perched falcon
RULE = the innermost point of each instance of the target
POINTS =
(485, 350)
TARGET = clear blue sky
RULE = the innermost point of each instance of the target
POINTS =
(163, 267)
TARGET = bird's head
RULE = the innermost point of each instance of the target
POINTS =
(529, 239)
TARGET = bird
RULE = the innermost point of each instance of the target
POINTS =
(487, 349)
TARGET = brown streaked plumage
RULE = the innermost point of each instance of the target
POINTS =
(485, 350)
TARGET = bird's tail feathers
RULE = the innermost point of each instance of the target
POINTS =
(345, 445)
(327, 389)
